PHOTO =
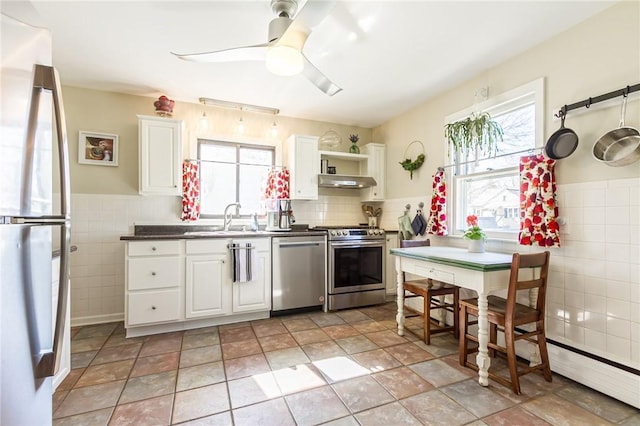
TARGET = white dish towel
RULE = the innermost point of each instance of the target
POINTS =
(243, 262)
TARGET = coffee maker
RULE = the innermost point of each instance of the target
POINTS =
(279, 215)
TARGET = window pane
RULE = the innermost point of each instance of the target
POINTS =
(232, 173)
(225, 153)
(495, 200)
(217, 187)
(251, 184)
(256, 156)
(519, 134)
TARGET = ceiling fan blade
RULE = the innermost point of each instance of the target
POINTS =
(313, 13)
(245, 53)
(321, 81)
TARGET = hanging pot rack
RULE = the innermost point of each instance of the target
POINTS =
(594, 100)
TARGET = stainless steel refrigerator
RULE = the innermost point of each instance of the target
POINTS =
(33, 156)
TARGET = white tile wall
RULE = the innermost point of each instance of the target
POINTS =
(98, 221)
(593, 300)
(594, 291)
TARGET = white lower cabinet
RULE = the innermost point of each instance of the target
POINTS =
(155, 278)
(181, 284)
(392, 277)
(255, 294)
(207, 291)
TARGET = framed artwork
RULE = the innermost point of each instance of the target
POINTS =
(98, 148)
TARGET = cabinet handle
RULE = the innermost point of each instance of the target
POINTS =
(153, 308)
(153, 274)
(153, 248)
(223, 261)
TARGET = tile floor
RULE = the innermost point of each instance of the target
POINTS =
(342, 368)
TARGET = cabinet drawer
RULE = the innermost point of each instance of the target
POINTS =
(154, 272)
(153, 306)
(436, 274)
(153, 248)
(207, 246)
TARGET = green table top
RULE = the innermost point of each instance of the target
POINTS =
(457, 257)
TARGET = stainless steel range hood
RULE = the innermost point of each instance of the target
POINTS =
(345, 181)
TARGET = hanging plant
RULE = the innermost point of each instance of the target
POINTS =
(410, 165)
(476, 132)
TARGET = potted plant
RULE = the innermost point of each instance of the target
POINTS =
(475, 235)
(476, 132)
(354, 149)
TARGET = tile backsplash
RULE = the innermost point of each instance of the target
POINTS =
(594, 289)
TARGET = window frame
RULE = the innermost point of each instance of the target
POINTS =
(510, 100)
(238, 146)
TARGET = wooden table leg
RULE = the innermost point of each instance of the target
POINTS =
(482, 359)
(400, 297)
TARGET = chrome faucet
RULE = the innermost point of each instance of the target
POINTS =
(229, 216)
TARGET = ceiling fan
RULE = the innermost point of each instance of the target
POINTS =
(283, 50)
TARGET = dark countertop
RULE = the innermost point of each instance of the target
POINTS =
(191, 232)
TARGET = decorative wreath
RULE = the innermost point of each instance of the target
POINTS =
(411, 165)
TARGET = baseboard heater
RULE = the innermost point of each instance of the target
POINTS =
(619, 381)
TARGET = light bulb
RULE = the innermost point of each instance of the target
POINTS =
(204, 123)
(284, 60)
(240, 127)
(273, 132)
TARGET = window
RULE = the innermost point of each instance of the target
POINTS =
(489, 186)
(232, 173)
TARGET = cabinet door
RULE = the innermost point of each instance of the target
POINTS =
(375, 168)
(392, 278)
(304, 165)
(255, 295)
(207, 286)
(160, 156)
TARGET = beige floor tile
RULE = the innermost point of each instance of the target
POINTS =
(206, 354)
(560, 411)
(200, 375)
(435, 408)
(362, 393)
(149, 412)
(388, 414)
(272, 412)
(105, 373)
(325, 397)
(155, 364)
(143, 387)
(277, 341)
(200, 402)
(90, 398)
(402, 382)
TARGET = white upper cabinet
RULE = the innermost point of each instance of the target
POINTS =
(160, 152)
(375, 167)
(303, 160)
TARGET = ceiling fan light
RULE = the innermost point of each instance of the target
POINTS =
(284, 60)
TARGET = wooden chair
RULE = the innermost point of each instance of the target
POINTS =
(528, 271)
(433, 294)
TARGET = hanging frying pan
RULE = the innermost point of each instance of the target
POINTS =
(562, 142)
(618, 147)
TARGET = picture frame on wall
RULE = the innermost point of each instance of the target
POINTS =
(99, 149)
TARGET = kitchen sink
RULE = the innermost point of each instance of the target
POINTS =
(222, 233)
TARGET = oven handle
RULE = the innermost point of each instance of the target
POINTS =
(357, 244)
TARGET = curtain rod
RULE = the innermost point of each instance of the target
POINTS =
(193, 160)
(441, 168)
(590, 101)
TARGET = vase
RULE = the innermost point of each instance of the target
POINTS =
(354, 149)
(476, 246)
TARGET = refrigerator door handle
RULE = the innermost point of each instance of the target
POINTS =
(47, 78)
(33, 220)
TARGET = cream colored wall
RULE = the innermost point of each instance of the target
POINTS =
(597, 56)
(115, 113)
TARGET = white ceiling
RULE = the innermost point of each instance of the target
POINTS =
(388, 56)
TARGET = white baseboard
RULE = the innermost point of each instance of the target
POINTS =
(615, 382)
(96, 319)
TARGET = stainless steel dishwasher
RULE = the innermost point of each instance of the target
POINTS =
(299, 272)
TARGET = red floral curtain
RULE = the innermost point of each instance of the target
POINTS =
(277, 185)
(538, 207)
(437, 222)
(190, 191)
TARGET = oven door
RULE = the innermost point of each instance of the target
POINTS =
(356, 266)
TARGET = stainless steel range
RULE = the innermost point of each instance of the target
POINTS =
(356, 267)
